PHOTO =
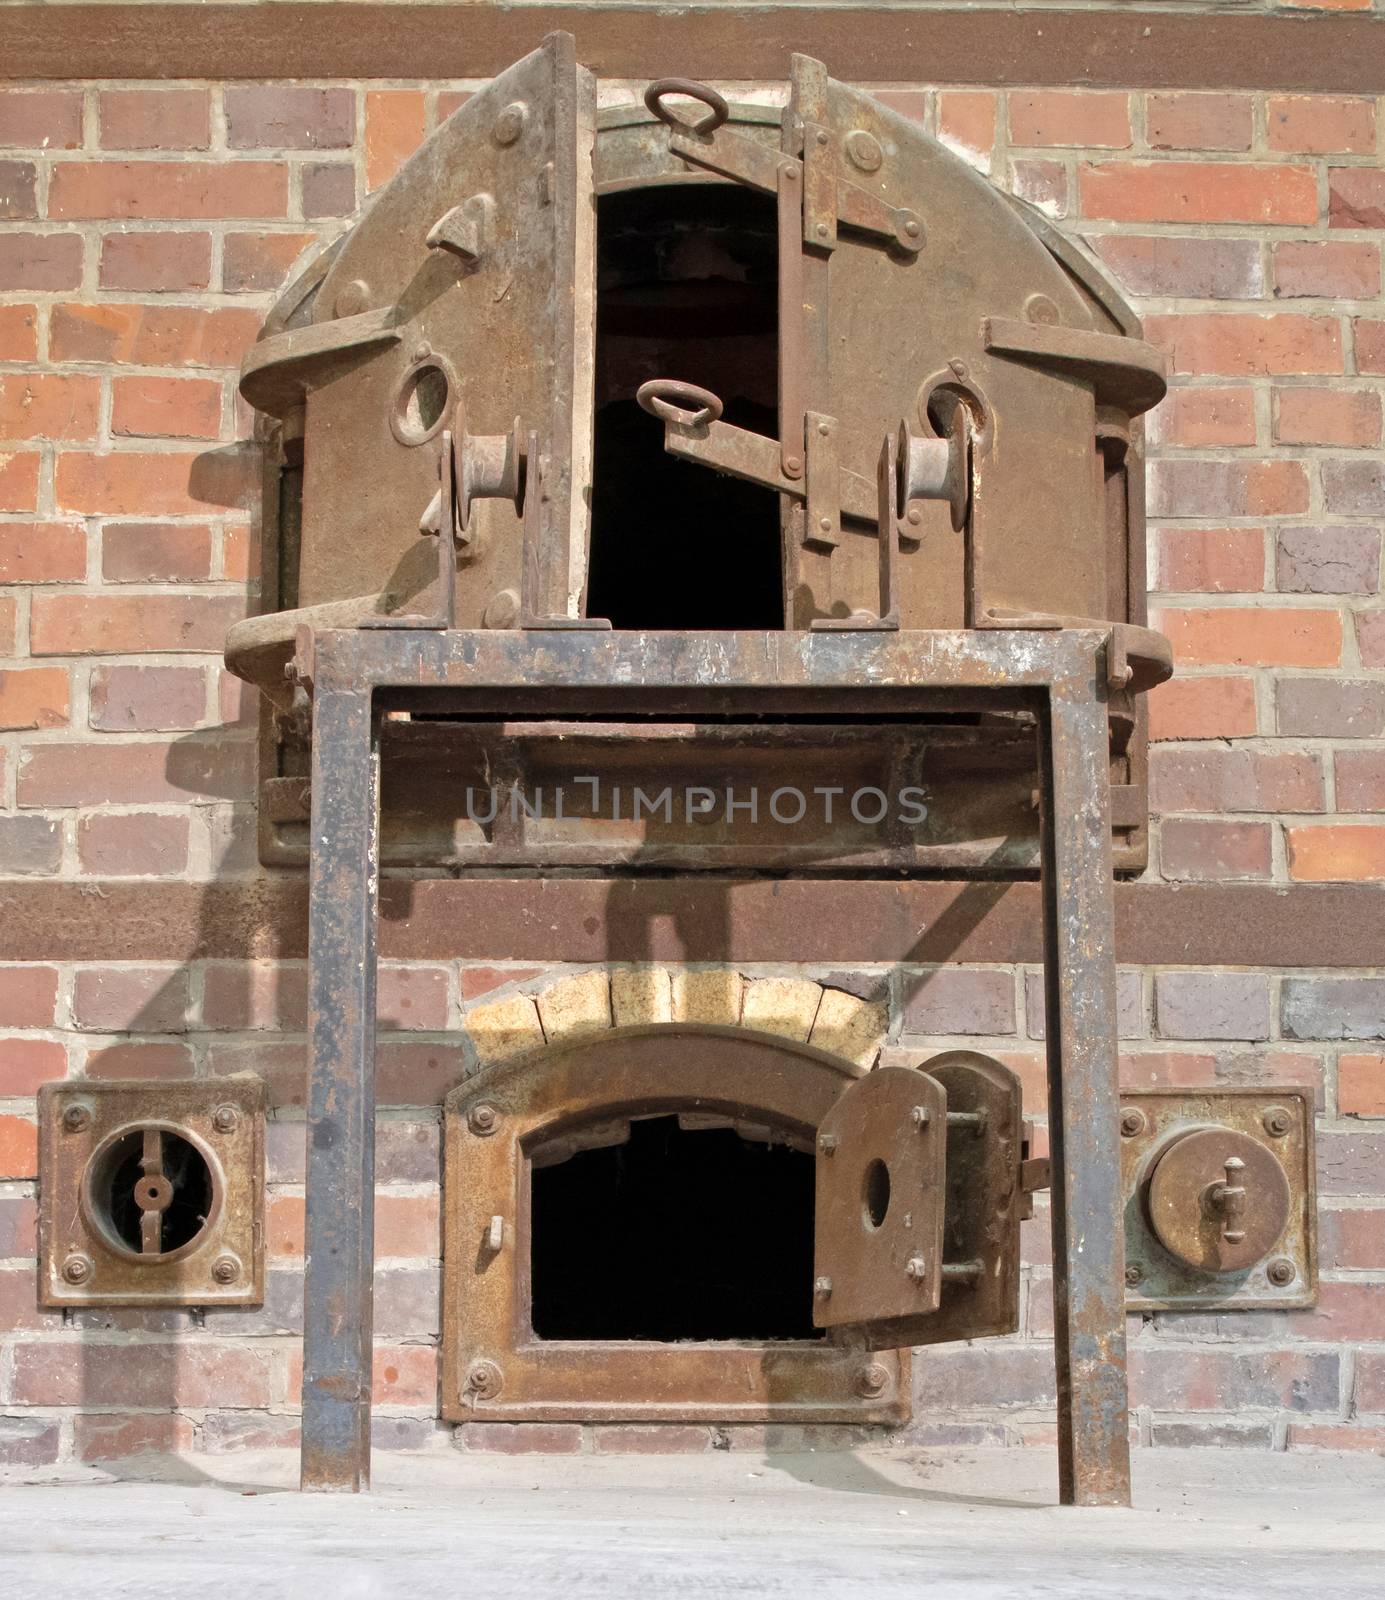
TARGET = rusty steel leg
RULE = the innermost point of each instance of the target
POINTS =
(1080, 986)
(342, 892)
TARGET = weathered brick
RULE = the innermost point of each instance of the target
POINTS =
(946, 1000)
(1320, 124)
(1333, 1008)
(784, 1006)
(40, 119)
(254, 262)
(180, 408)
(78, 772)
(166, 483)
(1080, 118)
(141, 844)
(65, 624)
(1328, 560)
(394, 128)
(1370, 1381)
(27, 1063)
(46, 261)
(966, 124)
(131, 999)
(1361, 1085)
(1353, 1237)
(1170, 265)
(641, 996)
(147, 699)
(1255, 637)
(1227, 488)
(1130, 1020)
(659, 1439)
(1340, 853)
(1199, 121)
(155, 119)
(1234, 1380)
(18, 191)
(19, 1226)
(959, 1378)
(29, 846)
(1205, 416)
(1327, 269)
(1203, 708)
(328, 189)
(152, 336)
(103, 1437)
(1350, 1163)
(142, 1058)
(707, 995)
(18, 333)
(279, 116)
(1356, 197)
(28, 997)
(1043, 184)
(1218, 780)
(42, 552)
(191, 190)
(189, 1373)
(1212, 1005)
(1360, 780)
(1248, 344)
(850, 1027)
(255, 994)
(1354, 488)
(1368, 337)
(1330, 708)
(9, 625)
(1209, 560)
(155, 262)
(522, 1438)
(1193, 851)
(29, 1441)
(18, 1149)
(1349, 417)
(49, 405)
(1370, 637)
(1216, 1435)
(1198, 191)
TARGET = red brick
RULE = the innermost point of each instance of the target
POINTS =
(155, 119)
(40, 261)
(476, 981)
(1180, 488)
(328, 189)
(255, 262)
(395, 124)
(1330, 269)
(192, 1373)
(1173, 1379)
(8, 625)
(452, 100)
(79, 772)
(156, 552)
(131, 999)
(181, 408)
(254, 994)
(1328, 559)
(240, 553)
(27, 1063)
(237, 702)
(1199, 121)
(966, 122)
(1352, 1238)
(19, 1226)
(1370, 1381)
(1042, 183)
(1199, 851)
(1361, 1088)
(1368, 337)
(957, 1000)
(156, 483)
(413, 997)
(40, 119)
(1203, 417)
(34, 697)
(19, 480)
(1328, 708)
(1258, 636)
(1345, 417)
(69, 624)
(406, 1226)
(19, 333)
(1360, 776)
(48, 405)
(1320, 124)
(1220, 780)
(139, 1059)
(1356, 197)
(410, 1072)
(42, 552)
(659, 1439)
(116, 1438)
(140, 844)
(1209, 560)
(1341, 853)
(1370, 637)
(277, 116)
(154, 262)
(1334, 1435)
(1203, 708)
(147, 699)
(177, 190)
(1079, 118)
(30, 845)
(18, 1148)
(1198, 191)
(28, 997)
(522, 1438)
(18, 191)
(152, 336)
(1245, 344)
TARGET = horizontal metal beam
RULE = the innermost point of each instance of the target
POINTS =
(1127, 47)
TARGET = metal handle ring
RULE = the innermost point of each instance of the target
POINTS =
(717, 109)
(659, 397)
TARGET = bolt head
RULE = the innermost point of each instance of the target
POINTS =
(77, 1269)
(1133, 1122)
(919, 1116)
(872, 1379)
(916, 1268)
(483, 1119)
(793, 464)
(912, 228)
(225, 1119)
(1281, 1272)
(225, 1269)
(825, 524)
(822, 1287)
(958, 368)
(913, 516)
(828, 1143)
(1277, 1122)
(484, 1379)
(75, 1118)
(1134, 1274)
(509, 124)
(822, 230)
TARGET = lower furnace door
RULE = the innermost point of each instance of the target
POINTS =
(710, 1225)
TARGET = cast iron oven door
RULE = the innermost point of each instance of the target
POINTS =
(866, 1213)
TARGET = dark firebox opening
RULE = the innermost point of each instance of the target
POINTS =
(676, 1234)
(686, 289)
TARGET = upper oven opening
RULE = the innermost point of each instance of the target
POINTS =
(687, 288)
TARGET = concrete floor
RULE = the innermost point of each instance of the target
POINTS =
(970, 1523)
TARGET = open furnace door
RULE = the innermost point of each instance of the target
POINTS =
(482, 247)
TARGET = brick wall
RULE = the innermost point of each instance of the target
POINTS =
(144, 231)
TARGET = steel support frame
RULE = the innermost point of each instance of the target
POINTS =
(1060, 675)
